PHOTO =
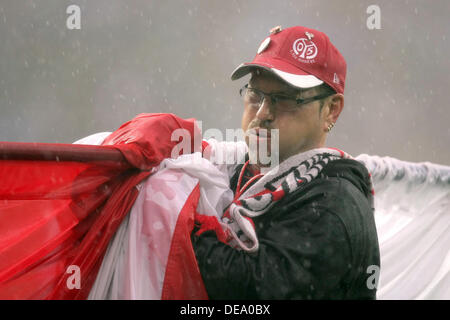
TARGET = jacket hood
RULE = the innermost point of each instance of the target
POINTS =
(352, 170)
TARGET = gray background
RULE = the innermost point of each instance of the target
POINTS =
(58, 85)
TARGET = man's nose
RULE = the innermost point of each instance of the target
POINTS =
(266, 110)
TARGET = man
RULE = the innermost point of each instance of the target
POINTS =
(312, 232)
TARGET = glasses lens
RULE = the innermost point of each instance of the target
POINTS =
(252, 96)
(284, 103)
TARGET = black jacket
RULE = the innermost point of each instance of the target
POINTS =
(316, 243)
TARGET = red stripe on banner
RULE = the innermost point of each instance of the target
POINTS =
(182, 279)
(44, 180)
(37, 239)
(43, 209)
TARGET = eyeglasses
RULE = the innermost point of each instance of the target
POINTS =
(282, 102)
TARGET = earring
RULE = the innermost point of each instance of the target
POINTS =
(330, 126)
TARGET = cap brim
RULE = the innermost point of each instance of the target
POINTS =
(299, 79)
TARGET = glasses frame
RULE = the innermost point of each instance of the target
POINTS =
(274, 99)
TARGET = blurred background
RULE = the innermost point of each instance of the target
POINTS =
(129, 57)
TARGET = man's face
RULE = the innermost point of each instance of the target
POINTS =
(300, 129)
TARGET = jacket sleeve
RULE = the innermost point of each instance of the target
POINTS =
(304, 254)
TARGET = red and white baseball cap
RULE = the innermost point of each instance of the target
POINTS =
(301, 56)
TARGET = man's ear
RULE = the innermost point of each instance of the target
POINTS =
(334, 109)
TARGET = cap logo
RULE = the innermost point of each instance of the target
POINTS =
(305, 49)
(336, 78)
